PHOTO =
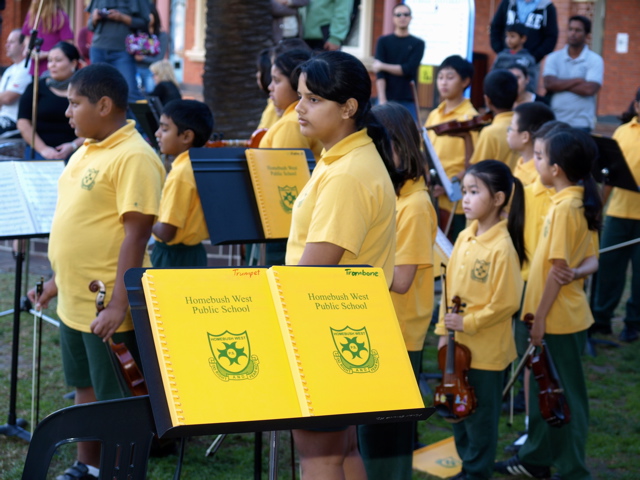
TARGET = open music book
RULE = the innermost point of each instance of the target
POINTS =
(29, 192)
(238, 345)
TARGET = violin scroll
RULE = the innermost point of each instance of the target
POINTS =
(97, 286)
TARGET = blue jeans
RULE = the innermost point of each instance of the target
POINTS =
(124, 62)
(146, 79)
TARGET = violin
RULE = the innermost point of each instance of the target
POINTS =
(130, 376)
(253, 142)
(455, 127)
(553, 403)
(454, 398)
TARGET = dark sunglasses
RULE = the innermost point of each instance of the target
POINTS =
(401, 15)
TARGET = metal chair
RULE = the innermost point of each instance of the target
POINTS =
(125, 427)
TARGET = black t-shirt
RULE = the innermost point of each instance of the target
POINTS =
(52, 126)
(406, 52)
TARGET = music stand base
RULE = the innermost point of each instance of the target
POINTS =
(16, 430)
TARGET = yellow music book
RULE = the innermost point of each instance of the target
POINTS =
(277, 177)
(255, 344)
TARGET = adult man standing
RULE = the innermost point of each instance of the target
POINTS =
(539, 18)
(327, 23)
(574, 75)
(13, 83)
(396, 62)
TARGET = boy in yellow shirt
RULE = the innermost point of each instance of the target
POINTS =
(500, 93)
(181, 227)
(108, 198)
(454, 76)
(526, 119)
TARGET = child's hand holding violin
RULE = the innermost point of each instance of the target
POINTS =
(454, 321)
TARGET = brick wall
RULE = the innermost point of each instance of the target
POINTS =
(621, 70)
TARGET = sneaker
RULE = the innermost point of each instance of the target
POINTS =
(515, 467)
(629, 334)
(514, 448)
(77, 471)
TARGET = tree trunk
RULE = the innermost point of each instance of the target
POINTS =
(236, 32)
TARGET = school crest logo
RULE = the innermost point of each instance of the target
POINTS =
(354, 353)
(89, 179)
(480, 271)
(232, 359)
(288, 196)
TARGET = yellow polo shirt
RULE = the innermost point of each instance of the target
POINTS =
(348, 201)
(492, 142)
(180, 205)
(450, 150)
(625, 203)
(537, 201)
(285, 133)
(525, 171)
(103, 181)
(564, 236)
(269, 115)
(416, 229)
(484, 271)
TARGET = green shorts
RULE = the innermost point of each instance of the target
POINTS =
(87, 361)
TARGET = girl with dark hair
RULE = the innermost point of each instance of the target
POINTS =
(412, 289)
(345, 214)
(270, 114)
(568, 243)
(55, 138)
(285, 133)
(484, 271)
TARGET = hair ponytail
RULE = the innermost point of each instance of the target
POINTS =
(515, 222)
(592, 203)
(575, 151)
(381, 139)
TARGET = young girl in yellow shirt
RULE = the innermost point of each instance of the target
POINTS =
(412, 287)
(345, 214)
(484, 271)
(568, 243)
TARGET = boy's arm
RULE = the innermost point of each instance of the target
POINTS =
(165, 231)
(137, 229)
(403, 276)
(564, 275)
(549, 295)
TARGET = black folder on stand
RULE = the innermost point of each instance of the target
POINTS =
(227, 197)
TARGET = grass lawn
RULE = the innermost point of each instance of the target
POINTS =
(613, 444)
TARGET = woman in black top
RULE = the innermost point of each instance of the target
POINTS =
(54, 139)
(166, 82)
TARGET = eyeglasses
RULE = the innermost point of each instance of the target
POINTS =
(398, 15)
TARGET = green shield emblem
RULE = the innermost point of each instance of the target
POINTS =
(354, 353)
(288, 196)
(232, 359)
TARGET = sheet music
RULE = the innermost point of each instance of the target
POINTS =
(443, 244)
(452, 189)
(39, 181)
(15, 218)
(29, 193)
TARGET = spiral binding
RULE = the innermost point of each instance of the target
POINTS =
(166, 356)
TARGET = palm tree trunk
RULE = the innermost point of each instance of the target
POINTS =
(236, 32)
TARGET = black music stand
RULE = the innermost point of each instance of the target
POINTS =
(22, 218)
(147, 114)
(610, 167)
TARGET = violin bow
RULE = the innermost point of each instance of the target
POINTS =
(35, 371)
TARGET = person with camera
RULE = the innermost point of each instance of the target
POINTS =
(111, 21)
